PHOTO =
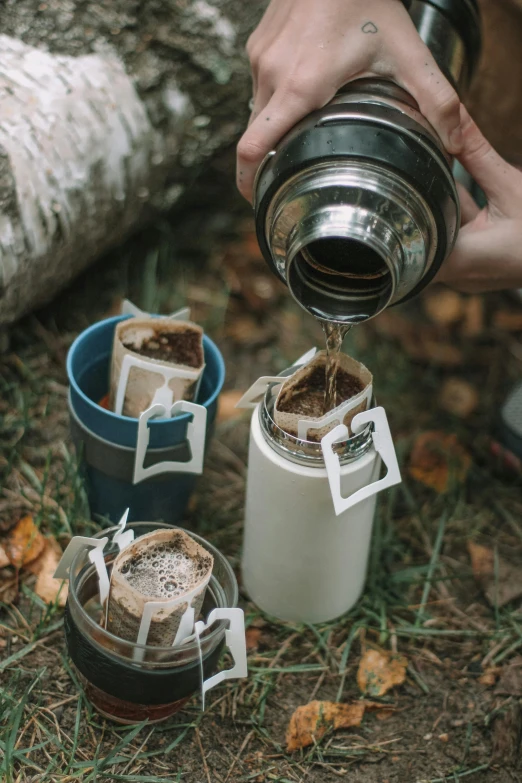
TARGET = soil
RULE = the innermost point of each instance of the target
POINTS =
(306, 398)
(183, 347)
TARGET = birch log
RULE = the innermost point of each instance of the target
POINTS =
(108, 110)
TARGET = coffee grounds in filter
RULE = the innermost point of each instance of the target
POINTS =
(164, 342)
(306, 398)
(179, 347)
(301, 396)
(159, 567)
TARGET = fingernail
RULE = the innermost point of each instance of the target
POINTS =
(456, 140)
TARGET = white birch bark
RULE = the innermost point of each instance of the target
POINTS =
(109, 125)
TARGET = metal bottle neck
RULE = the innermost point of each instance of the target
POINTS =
(364, 239)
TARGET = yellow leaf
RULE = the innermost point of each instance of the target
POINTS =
(311, 721)
(501, 584)
(4, 560)
(379, 671)
(48, 588)
(25, 543)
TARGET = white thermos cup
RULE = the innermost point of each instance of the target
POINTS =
(309, 512)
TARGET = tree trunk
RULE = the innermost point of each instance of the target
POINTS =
(108, 112)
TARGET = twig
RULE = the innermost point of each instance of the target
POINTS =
(241, 749)
(205, 765)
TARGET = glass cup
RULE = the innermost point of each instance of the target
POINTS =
(128, 682)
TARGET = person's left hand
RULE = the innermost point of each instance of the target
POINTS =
(488, 252)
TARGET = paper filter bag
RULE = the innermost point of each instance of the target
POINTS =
(163, 342)
(301, 397)
(159, 566)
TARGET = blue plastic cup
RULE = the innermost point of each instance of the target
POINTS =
(106, 442)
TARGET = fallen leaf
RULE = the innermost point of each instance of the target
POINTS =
(500, 585)
(380, 670)
(443, 307)
(510, 682)
(482, 560)
(438, 460)
(312, 721)
(489, 677)
(24, 543)
(104, 402)
(48, 588)
(458, 397)
(227, 405)
(473, 324)
(4, 560)
(252, 636)
(508, 320)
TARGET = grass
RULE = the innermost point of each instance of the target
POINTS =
(421, 598)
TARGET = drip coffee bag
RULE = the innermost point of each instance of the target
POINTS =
(166, 567)
(156, 343)
(302, 396)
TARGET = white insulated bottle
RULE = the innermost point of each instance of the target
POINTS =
(309, 514)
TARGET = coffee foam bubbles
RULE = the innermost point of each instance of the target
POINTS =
(163, 571)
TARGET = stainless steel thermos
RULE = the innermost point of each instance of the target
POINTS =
(356, 208)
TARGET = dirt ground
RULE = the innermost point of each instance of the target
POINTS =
(441, 365)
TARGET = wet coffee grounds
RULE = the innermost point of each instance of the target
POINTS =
(306, 398)
(175, 347)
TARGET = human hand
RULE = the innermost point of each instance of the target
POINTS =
(488, 252)
(304, 51)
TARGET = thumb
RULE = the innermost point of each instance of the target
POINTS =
(491, 172)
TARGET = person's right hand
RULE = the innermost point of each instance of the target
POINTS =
(304, 51)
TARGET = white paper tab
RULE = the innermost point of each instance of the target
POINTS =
(257, 391)
(122, 538)
(383, 444)
(74, 546)
(128, 308)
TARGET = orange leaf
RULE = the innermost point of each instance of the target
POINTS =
(438, 460)
(379, 671)
(227, 405)
(47, 587)
(104, 402)
(252, 636)
(489, 677)
(24, 543)
(312, 721)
